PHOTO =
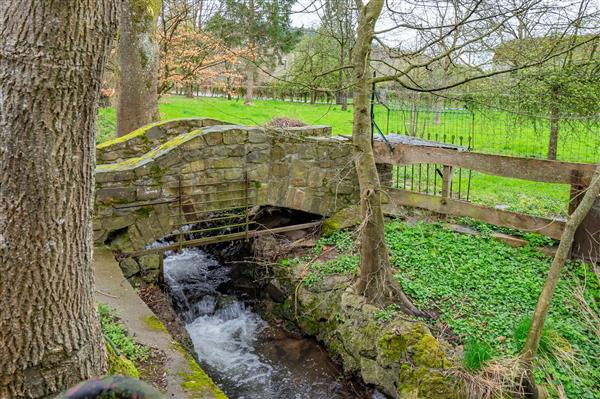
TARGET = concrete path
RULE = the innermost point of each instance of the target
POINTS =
(185, 379)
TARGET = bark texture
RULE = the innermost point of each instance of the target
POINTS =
(52, 54)
(376, 281)
(138, 63)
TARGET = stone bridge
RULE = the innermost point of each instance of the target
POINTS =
(140, 175)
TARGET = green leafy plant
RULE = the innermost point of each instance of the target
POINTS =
(480, 286)
(117, 334)
(388, 313)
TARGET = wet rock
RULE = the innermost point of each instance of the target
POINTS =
(224, 301)
(129, 267)
(149, 262)
(276, 291)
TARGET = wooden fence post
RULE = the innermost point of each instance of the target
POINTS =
(446, 183)
(586, 244)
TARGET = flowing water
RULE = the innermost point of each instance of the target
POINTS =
(246, 356)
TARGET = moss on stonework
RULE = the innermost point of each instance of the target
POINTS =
(142, 132)
(138, 132)
(343, 219)
(155, 324)
(196, 380)
(156, 173)
(427, 352)
(391, 347)
(421, 382)
(133, 163)
(400, 357)
(142, 212)
(120, 365)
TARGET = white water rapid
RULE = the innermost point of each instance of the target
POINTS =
(248, 358)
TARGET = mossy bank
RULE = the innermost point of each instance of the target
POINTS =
(400, 356)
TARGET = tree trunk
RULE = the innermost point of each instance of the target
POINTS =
(339, 95)
(251, 72)
(138, 59)
(375, 281)
(554, 127)
(51, 59)
(560, 258)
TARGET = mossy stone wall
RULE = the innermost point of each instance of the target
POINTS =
(299, 168)
(400, 357)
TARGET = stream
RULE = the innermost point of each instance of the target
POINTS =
(247, 357)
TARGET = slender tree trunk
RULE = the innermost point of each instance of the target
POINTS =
(560, 258)
(138, 58)
(554, 126)
(375, 280)
(251, 72)
(51, 59)
(339, 95)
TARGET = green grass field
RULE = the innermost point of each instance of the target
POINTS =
(493, 133)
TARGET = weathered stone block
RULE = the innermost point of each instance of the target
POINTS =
(149, 262)
(122, 243)
(129, 267)
(257, 136)
(235, 137)
(258, 156)
(278, 152)
(227, 163)
(280, 170)
(198, 166)
(116, 195)
(118, 222)
(234, 174)
(259, 173)
(315, 178)
(154, 133)
(299, 198)
(148, 193)
(213, 138)
(298, 173)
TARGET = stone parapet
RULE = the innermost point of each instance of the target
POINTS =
(299, 169)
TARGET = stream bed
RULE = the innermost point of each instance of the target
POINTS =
(247, 357)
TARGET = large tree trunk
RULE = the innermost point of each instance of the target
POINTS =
(138, 59)
(52, 55)
(554, 126)
(251, 71)
(560, 258)
(375, 281)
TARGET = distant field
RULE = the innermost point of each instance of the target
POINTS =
(494, 133)
(235, 111)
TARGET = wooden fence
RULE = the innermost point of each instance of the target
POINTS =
(577, 175)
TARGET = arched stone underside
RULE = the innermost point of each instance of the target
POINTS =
(137, 175)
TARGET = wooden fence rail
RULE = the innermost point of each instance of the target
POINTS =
(577, 175)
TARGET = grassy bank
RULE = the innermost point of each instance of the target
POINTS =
(483, 291)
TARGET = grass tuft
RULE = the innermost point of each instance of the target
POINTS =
(477, 353)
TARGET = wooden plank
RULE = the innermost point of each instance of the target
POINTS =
(222, 238)
(548, 227)
(499, 165)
